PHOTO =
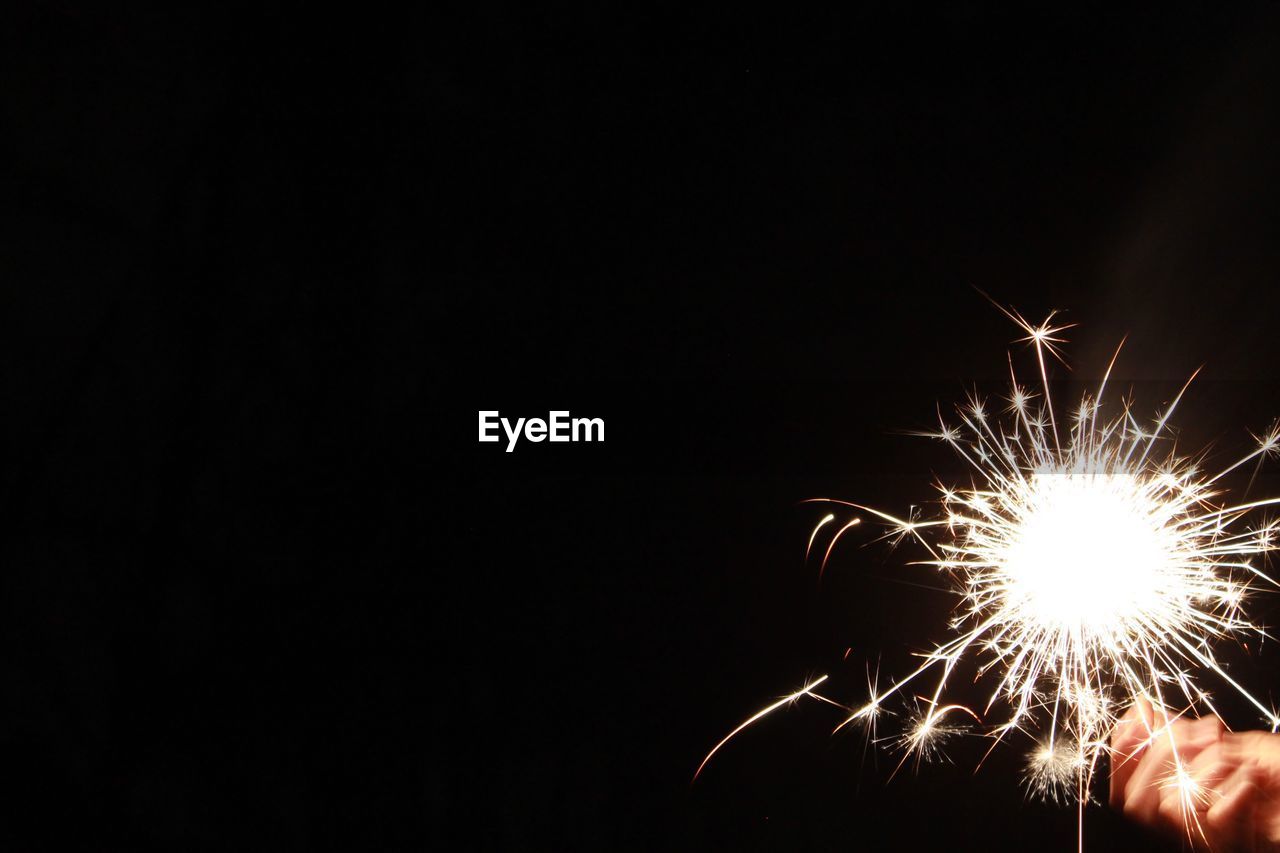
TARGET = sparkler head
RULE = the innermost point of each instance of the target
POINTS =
(1084, 552)
(1095, 567)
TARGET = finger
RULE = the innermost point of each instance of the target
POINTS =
(1177, 809)
(1178, 744)
(1210, 769)
(1129, 740)
(1185, 797)
(1142, 792)
(1192, 738)
(1208, 726)
(1231, 817)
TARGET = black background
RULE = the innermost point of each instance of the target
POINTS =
(263, 588)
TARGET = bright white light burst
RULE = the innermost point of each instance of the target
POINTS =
(1095, 566)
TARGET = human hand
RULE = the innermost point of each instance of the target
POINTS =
(1193, 778)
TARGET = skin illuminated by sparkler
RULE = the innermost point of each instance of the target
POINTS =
(1194, 778)
(1096, 568)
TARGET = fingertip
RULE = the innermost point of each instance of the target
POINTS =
(1210, 724)
(1133, 726)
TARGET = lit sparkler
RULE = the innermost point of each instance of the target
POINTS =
(1094, 570)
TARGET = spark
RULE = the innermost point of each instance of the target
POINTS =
(1095, 566)
(929, 731)
(1053, 770)
(831, 516)
(832, 546)
(1192, 796)
(759, 715)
